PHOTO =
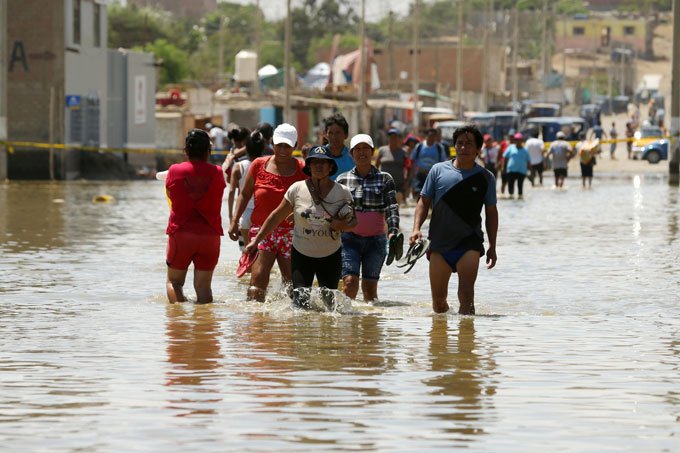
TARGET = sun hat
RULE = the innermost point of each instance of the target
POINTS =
(361, 138)
(285, 133)
(319, 152)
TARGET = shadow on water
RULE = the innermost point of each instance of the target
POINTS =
(462, 386)
(193, 353)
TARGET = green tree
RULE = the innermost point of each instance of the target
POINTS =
(173, 62)
(133, 26)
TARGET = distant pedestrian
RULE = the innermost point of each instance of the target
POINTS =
(517, 163)
(490, 152)
(194, 189)
(458, 190)
(536, 149)
(613, 135)
(392, 159)
(597, 132)
(560, 151)
(630, 133)
(586, 154)
(423, 157)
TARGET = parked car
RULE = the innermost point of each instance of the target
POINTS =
(656, 151)
(591, 113)
(645, 136)
(548, 127)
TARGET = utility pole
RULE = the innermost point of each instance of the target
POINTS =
(390, 46)
(3, 88)
(564, 59)
(459, 62)
(220, 55)
(287, 114)
(414, 65)
(485, 55)
(362, 69)
(674, 158)
(258, 45)
(515, 49)
(544, 46)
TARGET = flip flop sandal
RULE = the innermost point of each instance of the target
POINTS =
(399, 246)
(391, 250)
(419, 249)
(245, 263)
(406, 259)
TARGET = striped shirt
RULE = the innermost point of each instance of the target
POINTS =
(374, 193)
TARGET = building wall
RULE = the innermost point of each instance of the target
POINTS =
(181, 8)
(590, 39)
(141, 100)
(437, 65)
(35, 46)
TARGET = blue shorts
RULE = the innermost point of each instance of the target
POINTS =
(365, 253)
(455, 254)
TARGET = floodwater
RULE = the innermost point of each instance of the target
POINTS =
(576, 345)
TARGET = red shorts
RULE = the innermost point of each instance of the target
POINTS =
(278, 242)
(185, 247)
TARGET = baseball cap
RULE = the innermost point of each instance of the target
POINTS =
(560, 134)
(285, 133)
(487, 137)
(361, 138)
(411, 138)
(518, 136)
(393, 131)
(318, 152)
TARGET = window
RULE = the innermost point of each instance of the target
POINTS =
(97, 25)
(76, 21)
(628, 30)
(578, 31)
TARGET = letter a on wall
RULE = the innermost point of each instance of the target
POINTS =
(18, 54)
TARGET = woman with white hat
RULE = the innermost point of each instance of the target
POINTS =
(267, 180)
(321, 208)
(375, 199)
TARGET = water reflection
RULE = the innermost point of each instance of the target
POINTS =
(194, 356)
(462, 387)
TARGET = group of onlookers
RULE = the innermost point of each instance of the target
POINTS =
(333, 214)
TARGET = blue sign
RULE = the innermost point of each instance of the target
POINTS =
(72, 101)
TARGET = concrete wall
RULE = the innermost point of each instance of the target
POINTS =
(141, 100)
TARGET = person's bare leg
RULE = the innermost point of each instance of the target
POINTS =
(259, 276)
(286, 269)
(350, 286)
(370, 289)
(467, 268)
(440, 273)
(175, 284)
(202, 285)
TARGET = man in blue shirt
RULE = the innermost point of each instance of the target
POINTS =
(457, 190)
(336, 130)
(424, 156)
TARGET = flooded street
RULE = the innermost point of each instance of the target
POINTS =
(576, 346)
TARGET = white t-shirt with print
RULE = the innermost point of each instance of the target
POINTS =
(312, 234)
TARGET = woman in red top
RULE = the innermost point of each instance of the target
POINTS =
(267, 180)
(194, 189)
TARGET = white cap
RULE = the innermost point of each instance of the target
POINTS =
(560, 135)
(285, 133)
(361, 138)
